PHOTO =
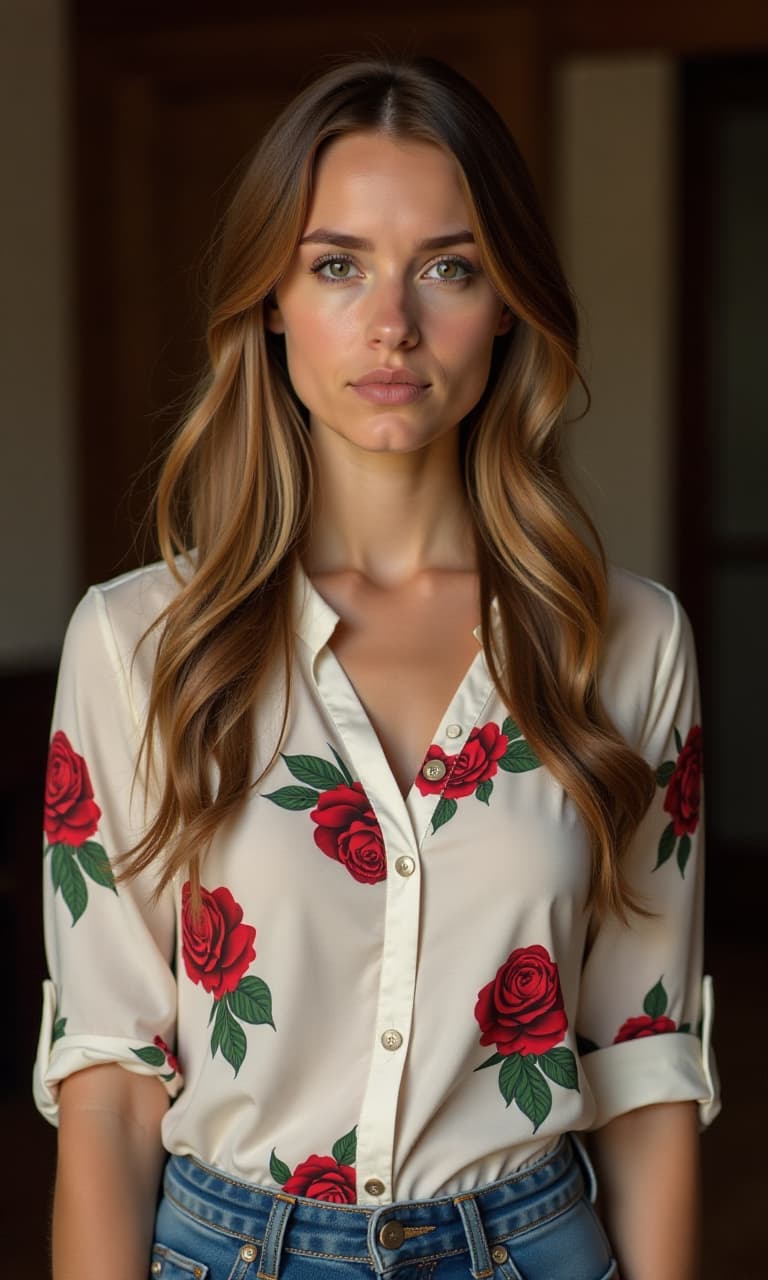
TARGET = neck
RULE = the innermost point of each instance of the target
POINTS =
(388, 515)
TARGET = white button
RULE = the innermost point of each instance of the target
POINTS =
(375, 1187)
(405, 866)
(453, 730)
(434, 770)
(391, 1039)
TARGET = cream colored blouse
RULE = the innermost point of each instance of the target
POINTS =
(383, 998)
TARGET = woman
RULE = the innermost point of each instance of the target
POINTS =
(409, 882)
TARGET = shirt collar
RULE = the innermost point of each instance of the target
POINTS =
(316, 619)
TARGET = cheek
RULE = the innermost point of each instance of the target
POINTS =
(464, 342)
(315, 343)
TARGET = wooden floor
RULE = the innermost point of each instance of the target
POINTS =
(735, 1178)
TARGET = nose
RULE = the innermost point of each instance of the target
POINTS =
(392, 316)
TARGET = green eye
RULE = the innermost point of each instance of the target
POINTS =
(466, 267)
(331, 260)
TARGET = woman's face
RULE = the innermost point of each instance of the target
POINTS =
(348, 309)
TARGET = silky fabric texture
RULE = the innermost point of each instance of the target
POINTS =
(386, 998)
(531, 1226)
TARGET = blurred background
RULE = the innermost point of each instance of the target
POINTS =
(123, 130)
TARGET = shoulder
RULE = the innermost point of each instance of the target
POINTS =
(116, 613)
(647, 639)
(643, 616)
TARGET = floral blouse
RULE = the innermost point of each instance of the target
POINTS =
(383, 998)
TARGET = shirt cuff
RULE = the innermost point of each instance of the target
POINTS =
(61, 1056)
(673, 1066)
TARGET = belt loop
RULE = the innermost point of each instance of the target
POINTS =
(273, 1236)
(588, 1169)
(479, 1256)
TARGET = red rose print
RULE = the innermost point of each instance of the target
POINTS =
(217, 947)
(522, 1010)
(476, 762)
(636, 1028)
(348, 831)
(323, 1178)
(427, 787)
(683, 797)
(170, 1058)
(71, 815)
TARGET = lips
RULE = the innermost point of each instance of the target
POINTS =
(387, 376)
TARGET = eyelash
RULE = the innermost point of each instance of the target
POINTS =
(343, 257)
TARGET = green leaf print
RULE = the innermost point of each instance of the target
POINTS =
(345, 1150)
(483, 790)
(560, 1065)
(293, 797)
(655, 1003)
(96, 864)
(678, 740)
(683, 853)
(532, 1094)
(150, 1054)
(509, 1076)
(347, 775)
(519, 758)
(278, 1169)
(510, 729)
(59, 1029)
(315, 771)
(664, 773)
(252, 1001)
(219, 1011)
(228, 1036)
(444, 811)
(491, 1062)
(68, 877)
(666, 845)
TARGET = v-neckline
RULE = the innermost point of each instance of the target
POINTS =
(366, 720)
(413, 811)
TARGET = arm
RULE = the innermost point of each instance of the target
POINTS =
(645, 1007)
(105, 1070)
(647, 1164)
(109, 1163)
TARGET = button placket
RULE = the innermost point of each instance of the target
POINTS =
(465, 712)
(400, 820)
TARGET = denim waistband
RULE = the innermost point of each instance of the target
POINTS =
(387, 1236)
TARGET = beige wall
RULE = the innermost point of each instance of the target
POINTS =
(615, 199)
(36, 462)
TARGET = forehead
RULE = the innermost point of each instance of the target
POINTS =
(367, 177)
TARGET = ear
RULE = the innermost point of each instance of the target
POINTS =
(506, 321)
(273, 319)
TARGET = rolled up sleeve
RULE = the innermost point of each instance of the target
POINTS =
(646, 1008)
(110, 994)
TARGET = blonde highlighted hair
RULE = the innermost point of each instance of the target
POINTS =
(238, 483)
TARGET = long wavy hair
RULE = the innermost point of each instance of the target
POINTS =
(234, 500)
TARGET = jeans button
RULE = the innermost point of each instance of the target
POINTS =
(499, 1253)
(392, 1235)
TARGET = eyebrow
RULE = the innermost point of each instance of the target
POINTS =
(324, 236)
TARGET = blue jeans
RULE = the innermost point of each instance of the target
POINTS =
(538, 1224)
